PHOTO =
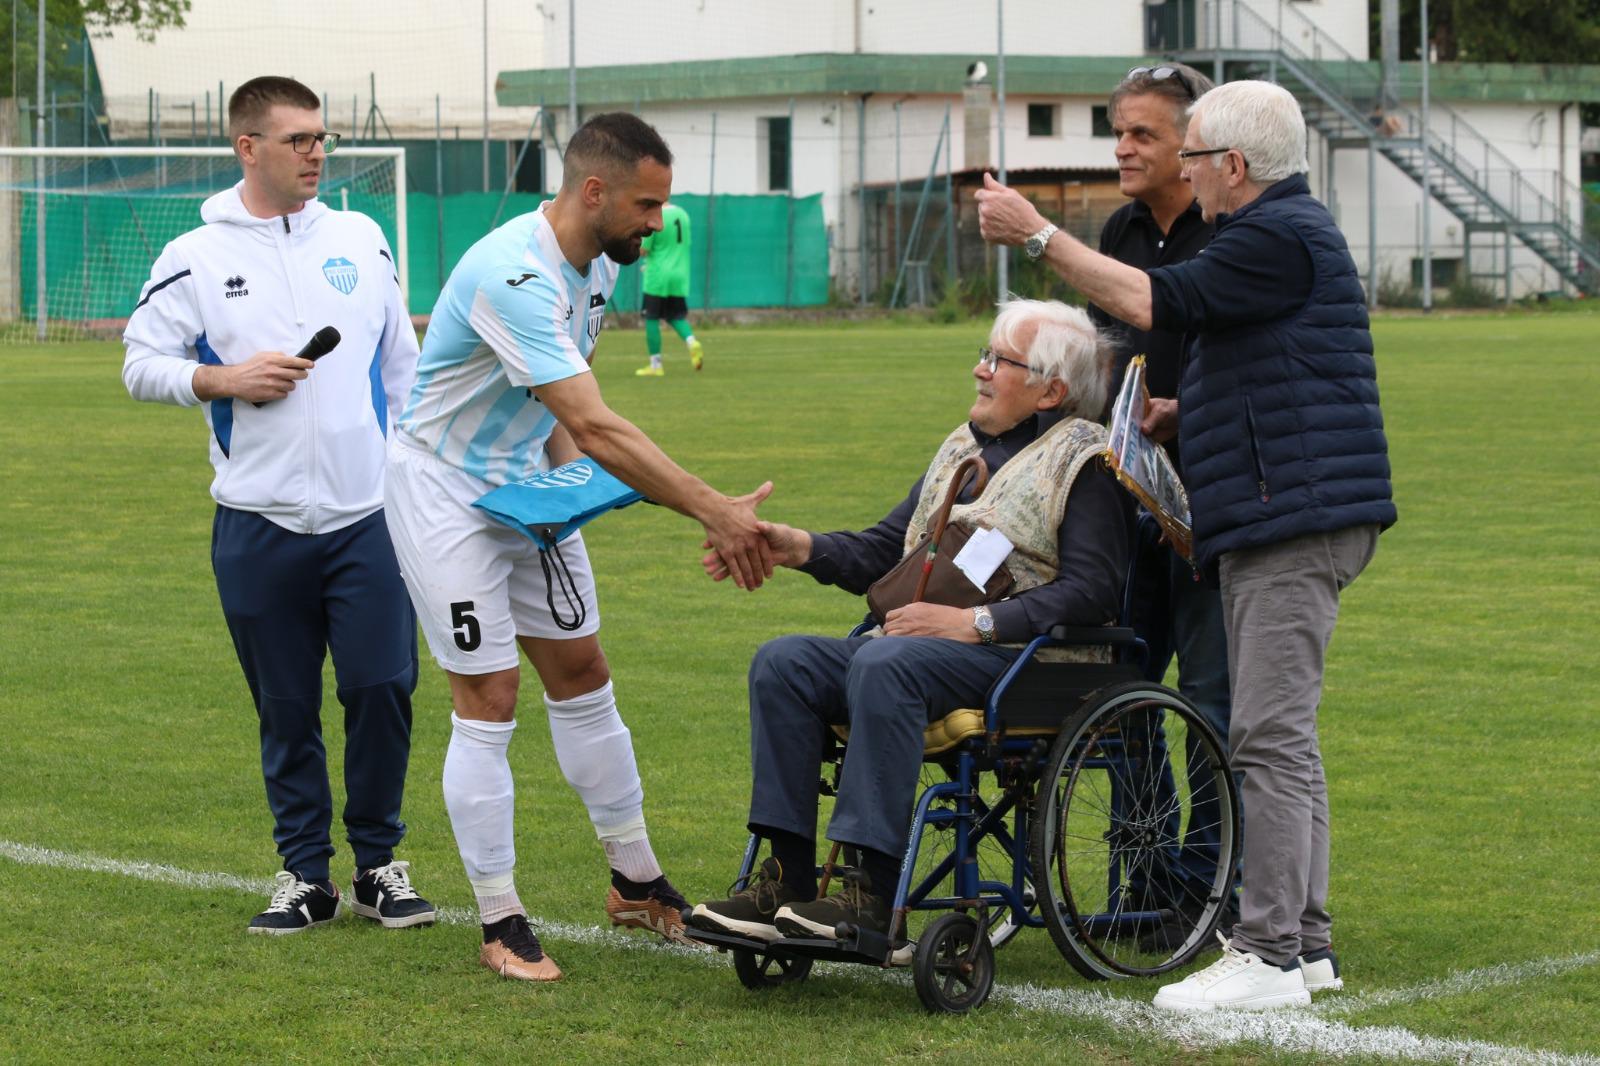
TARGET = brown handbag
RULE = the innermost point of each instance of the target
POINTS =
(928, 574)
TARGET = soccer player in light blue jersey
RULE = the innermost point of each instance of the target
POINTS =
(503, 390)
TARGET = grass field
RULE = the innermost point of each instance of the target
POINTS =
(1459, 728)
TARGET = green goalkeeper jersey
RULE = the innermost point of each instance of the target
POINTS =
(666, 264)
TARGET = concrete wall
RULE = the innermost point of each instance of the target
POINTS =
(665, 31)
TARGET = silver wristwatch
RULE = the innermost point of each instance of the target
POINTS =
(1036, 244)
(983, 622)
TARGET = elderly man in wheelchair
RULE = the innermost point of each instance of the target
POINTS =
(1040, 382)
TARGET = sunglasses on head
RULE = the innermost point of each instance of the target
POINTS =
(1162, 74)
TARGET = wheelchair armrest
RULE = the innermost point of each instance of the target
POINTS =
(1114, 635)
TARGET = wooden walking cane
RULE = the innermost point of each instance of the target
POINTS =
(974, 468)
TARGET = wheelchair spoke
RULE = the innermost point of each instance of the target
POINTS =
(1136, 807)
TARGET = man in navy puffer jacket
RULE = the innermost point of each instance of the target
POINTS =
(1287, 467)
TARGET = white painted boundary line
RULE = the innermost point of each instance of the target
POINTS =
(1312, 1032)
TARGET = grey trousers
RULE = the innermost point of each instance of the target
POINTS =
(1280, 603)
(886, 690)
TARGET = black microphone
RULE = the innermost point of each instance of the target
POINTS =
(321, 343)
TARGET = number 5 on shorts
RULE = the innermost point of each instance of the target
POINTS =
(468, 634)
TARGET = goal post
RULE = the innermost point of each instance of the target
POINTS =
(106, 214)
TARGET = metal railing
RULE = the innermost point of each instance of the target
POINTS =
(1355, 90)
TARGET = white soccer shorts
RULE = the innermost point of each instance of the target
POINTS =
(477, 585)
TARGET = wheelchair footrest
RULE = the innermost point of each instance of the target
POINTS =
(727, 941)
(864, 946)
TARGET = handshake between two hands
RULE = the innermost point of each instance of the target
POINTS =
(750, 548)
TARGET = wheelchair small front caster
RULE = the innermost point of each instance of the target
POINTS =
(953, 967)
(758, 971)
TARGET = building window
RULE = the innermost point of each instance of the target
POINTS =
(1445, 271)
(775, 132)
(1100, 122)
(1042, 120)
(529, 176)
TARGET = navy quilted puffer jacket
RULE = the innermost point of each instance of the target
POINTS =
(1280, 429)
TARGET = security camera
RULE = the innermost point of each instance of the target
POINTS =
(976, 72)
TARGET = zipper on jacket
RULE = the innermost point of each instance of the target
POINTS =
(1255, 451)
(287, 259)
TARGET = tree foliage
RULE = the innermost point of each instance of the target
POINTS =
(1499, 31)
(66, 22)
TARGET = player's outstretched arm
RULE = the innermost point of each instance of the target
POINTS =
(623, 449)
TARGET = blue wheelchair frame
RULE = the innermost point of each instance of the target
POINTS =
(1042, 696)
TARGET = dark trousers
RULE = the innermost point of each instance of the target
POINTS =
(887, 690)
(288, 598)
(1176, 614)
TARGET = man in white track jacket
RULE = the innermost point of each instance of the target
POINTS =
(301, 553)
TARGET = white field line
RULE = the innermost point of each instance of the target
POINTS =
(1314, 1032)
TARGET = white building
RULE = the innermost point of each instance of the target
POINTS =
(743, 90)
(399, 56)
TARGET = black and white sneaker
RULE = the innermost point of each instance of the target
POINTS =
(854, 904)
(295, 905)
(385, 893)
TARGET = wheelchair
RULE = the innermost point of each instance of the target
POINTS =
(1080, 798)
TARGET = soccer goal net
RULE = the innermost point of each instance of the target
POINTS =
(80, 227)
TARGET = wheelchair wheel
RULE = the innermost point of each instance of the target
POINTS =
(1135, 838)
(952, 974)
(758, 971)
(993, 860)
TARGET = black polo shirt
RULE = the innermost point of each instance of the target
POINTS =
(1132, 236)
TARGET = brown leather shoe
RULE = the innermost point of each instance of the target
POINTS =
(516, 954)
(661, 912)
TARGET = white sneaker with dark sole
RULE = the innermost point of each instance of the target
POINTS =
(296, 905)
(1240, 980)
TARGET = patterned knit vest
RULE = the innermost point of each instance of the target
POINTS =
(1026, 499)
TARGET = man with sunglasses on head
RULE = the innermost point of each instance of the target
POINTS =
(1173, 612)
(299, 546)
(1287, 467)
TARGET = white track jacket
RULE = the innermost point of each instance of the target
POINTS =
(313, 461)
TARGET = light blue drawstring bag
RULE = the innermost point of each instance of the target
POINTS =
(551, 506)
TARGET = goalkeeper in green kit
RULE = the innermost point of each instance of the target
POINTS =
(666, 288)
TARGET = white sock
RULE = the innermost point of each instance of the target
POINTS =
(497, 898)
(595, 751)
(655, 361)
(479, 794)
(628, 850)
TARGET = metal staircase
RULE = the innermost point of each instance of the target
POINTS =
(1341, 98)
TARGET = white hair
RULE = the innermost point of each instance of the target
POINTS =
(1065, 347)
(1261, 121)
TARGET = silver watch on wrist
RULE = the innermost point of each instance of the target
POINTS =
(983, 622)
(1036, 244)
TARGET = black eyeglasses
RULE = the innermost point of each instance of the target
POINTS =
(1185, 154)
(302, 142)
(990, 360)
(1162, 74)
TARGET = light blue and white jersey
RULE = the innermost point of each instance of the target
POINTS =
(513, 316)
